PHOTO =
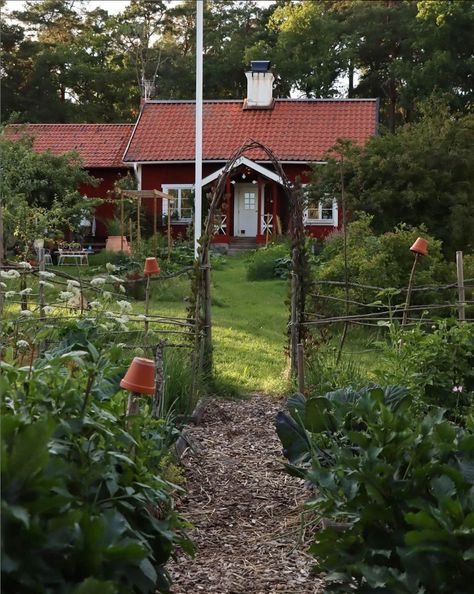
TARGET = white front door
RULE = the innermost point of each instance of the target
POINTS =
(246, 210)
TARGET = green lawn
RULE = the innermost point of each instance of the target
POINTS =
(249, 321)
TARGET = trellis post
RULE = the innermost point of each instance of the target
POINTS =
(461, 290)
(158, 396)
(42, 314)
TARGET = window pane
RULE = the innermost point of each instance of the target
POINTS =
(186, 203)
(313, 213)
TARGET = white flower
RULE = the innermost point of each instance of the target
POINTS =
(10, 294)
(115, 279)
(46, 284)
(48, 310)
(97, 281)
(26, 313)
(25, 265)
(66, 295)
(122, 289)
(123, 319)
(121, 345)
(72, 283)
(109, 314)
(3, 285)
(94, 304)
(46, 274)
(22, 344)
(9, 273)
(26, 291)
(125, 305)
(111, 267)
(107, 295)
(457, 388)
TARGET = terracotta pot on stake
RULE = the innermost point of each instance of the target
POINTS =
(419, 248)
(151, 267)
(139, 379)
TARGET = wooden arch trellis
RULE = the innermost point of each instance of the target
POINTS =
(202, 285)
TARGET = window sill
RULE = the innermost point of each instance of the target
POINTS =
(319, 222)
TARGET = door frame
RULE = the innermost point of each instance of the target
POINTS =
(239, 190)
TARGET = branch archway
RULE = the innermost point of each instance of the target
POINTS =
(202, 294)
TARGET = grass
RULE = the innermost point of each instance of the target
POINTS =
(249, 320)
(249, 323)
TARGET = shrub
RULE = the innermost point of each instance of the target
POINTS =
(396, 489)
(84, 507)
(380, 261)
(269, 262)
(437, 365)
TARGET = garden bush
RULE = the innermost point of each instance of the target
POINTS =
(84, 505)
(395, 490)
(380, 261)
(436, 363)
(270, 262)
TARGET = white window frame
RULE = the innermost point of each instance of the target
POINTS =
(165, 188)
(334, 221)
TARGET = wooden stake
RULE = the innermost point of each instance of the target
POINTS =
(300, 350)
(139, 231)
(130, 227)
(461, 290)
(132, 404)
(294, 315)
(158, 397)
(154, 224)
(42, 314)
(409, 289)
(169, 230)
(147, 307)
(122, 225)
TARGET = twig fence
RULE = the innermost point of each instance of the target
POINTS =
(380, 314)
(36, 317)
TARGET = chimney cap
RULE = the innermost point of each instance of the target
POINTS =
(260, 65)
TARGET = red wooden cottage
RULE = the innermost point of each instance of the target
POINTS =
(160, 149)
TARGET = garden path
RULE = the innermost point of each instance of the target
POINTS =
(244, 508)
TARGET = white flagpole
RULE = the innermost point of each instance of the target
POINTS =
(198, 165)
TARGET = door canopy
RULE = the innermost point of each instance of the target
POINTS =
(247, 163)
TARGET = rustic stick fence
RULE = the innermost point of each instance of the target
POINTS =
(153, 333)
(375, 313)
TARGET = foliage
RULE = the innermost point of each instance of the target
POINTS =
(39, 192)
(383, 261)
(398, 51)
(89, 65)
(436, 364)
(395, 489)
(420, 176)
(269, 262)
(82, 491)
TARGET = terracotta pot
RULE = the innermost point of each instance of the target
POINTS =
(420, 247)
(151, 267)
(140, 376)
(114, 244)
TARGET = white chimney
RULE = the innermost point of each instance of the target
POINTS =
(259, 85)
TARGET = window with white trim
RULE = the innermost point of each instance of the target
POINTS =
(181, 208)
(325, 212)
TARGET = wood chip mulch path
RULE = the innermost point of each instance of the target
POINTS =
(245, 510)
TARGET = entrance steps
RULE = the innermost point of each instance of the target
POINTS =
(238, 245)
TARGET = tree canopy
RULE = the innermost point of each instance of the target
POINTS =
(66, 63)
(421, 175)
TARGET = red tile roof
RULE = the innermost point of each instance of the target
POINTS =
(99, 145)
(295, 129)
